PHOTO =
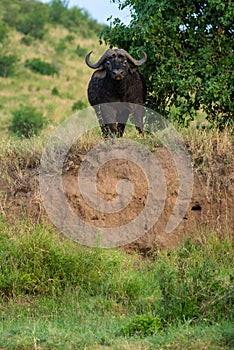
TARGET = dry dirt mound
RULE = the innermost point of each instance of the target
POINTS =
(211, 204)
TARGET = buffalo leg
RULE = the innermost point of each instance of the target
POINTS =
(109, 130)
(138, 119)
(122, 120)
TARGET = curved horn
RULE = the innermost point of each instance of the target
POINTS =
(99, 62)
(135, 62)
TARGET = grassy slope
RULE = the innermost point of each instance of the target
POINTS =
(27, 87)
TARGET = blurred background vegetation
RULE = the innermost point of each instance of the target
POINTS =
(42, 68)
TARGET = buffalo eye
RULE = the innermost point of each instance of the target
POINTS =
(108, 63)
(125, 62)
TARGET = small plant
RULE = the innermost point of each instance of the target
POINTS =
(3, 32)
(55, 91)
(79, 105)
(142, 325)
(80, 51)
(42, 67)
(69, 38)
(27, 121)
(27, 40)
(7, 64)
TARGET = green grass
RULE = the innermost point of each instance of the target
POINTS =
(70, 322)
(57, 294)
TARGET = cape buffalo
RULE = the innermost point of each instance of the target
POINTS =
(116, 80)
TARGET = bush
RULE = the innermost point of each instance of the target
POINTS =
(55, 91)
(142, 325)
(27, 40)
(80, 51)
(42, 67)
(79, 105)
(3, 31)
(32, 19)
(7, 64)
(27, 121)
(70, 37)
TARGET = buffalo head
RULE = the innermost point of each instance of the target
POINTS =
(117, 63)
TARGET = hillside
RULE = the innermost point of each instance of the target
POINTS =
(64, 48)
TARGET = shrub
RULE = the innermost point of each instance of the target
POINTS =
(27, 121)
(27, 40)
(7, 64)
(42, 67)
(79, 105)
(3, 31)
(55, 91)
(31, 19)
(80, 51)
(142, 325)
(58, 11)
(70, 37)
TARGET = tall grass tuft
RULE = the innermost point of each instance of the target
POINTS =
(196, 281)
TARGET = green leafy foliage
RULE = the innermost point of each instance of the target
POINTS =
(74, 19)
(27, 17)
(142, 325)
(190, 53)
(27, 121)
(42, 67)
(7, 64)
(31, 17)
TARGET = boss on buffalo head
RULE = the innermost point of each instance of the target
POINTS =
(117, 63)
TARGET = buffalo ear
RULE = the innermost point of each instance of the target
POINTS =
(100, 73)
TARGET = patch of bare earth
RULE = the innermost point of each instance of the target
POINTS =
(211, 204)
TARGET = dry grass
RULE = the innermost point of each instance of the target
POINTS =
(27, 87)
(210, 149)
